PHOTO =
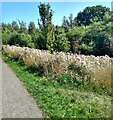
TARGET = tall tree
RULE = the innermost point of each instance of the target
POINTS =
(61, 41)
(9, 27)
(31, 28)
(71, 21)
(15, 26)
(89, 13)
(23, 27)
(46, 14)
(65, 22)
(50, 38)
(44, 22)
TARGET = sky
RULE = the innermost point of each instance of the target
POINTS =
(28, 11)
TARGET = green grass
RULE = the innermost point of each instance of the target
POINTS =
(57, 101)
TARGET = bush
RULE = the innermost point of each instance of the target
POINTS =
(61, 41)
(40, 41)
(103, 44)
(66, 78)
(6, 37)
(20, 39)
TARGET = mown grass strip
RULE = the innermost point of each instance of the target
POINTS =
(57, 101)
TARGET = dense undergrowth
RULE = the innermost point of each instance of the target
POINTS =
(59, 100)
(89, 72)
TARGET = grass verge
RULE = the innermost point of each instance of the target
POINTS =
(57, 101)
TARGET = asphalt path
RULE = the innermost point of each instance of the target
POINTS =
(16, 101)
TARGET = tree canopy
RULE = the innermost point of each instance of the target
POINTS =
(90, 32)
(90, 13)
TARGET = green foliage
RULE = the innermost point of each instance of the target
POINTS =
(46, 14)
(61, 41)
(85, 49)
(15, 26)
(74, 36)
(57, 40)
(23, 27)
(68, 23)
(20, 39)
(53, 97)
(31, 28)
(91, 32)
(40, 41)
(6, 36)
(79, 71)
(65, 23)
(50, 38)
(91, 39)
(81, 34)
(89, 13)
(66, 78)
(44, 23)
(103, 44)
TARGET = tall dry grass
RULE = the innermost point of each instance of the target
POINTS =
(100, 67)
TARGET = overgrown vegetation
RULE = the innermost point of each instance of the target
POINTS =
(66, 68)
(58, 101)
(88, 33)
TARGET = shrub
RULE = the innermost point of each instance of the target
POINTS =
(21, 39)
